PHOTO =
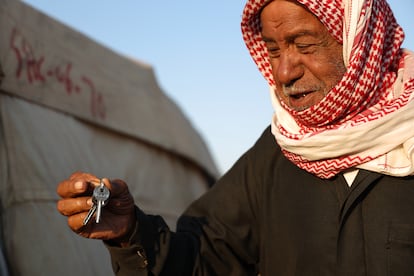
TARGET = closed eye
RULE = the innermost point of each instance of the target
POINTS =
(305, 48)
(274, 52)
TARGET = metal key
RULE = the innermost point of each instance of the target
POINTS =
(90, 214)
(100, 195)
(99, 198)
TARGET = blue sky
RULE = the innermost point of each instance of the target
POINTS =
(198, 56)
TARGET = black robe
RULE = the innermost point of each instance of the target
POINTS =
(267, 216)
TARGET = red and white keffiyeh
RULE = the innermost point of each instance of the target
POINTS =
(367, 120)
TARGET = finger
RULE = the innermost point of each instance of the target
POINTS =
(71, 206)
(84, 176)
(75, 222)
(77, 185)
(92, 230)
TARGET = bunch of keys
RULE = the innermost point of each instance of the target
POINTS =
(99, 198)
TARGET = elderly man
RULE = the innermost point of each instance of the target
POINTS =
(326, 190)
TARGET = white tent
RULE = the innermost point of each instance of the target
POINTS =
(69, 104)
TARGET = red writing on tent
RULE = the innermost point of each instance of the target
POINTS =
(31, 68)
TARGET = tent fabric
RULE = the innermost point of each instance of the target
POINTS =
(69, 104)
(69, 72)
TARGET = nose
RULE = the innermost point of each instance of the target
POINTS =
(288, 68)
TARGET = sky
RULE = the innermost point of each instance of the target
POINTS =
(198, 56)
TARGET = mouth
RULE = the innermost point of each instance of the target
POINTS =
(302, 100)
(299, 95)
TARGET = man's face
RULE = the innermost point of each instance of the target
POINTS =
(306, 60)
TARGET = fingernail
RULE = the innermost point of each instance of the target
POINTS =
(79, 185)
(89, 202)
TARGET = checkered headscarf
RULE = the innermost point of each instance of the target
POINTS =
(359, 122)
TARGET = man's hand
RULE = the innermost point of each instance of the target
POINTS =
(118, 216)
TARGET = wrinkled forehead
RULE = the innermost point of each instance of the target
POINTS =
(329, 12)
